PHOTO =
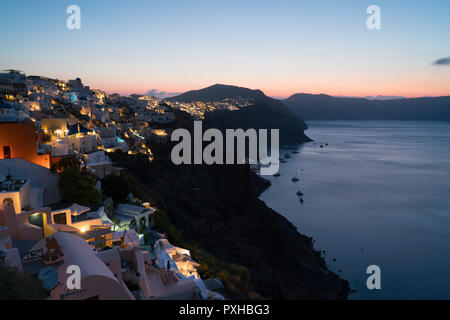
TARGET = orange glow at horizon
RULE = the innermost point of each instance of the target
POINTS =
(407, 91)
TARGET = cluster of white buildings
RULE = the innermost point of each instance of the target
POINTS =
(115, 261)
(45, 121)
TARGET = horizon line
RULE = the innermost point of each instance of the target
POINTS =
(273, 96)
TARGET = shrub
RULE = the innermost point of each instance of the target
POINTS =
(235, 278)
(15, 285)
(162, 223)
(116, 187)
(78, 187)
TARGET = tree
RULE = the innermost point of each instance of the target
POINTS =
(78, 187)
(72, 162)
(116, 187)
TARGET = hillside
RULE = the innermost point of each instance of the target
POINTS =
(220, 92)
(324, 107)
(267, 113)
(216, 209)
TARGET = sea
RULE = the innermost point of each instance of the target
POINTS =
(375, 193)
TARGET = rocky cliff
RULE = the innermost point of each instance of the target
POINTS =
(217, 209)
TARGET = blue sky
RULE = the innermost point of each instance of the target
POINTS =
(281, 47)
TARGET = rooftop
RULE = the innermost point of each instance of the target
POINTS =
(132, 211)
(5, 105)
(11, 185)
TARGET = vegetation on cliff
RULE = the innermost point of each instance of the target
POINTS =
(14, 285)
(78, 187)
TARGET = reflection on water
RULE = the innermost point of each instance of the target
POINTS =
(379, 193)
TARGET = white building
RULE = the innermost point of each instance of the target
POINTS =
(15, 192)
(100, 164)
(8, 113)
(42, 185)
(177, 258)
(97, 280)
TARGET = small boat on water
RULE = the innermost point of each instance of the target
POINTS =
(295, 152)
(283, 161)
(299, 193)
(277, 175)
(296, 178)
(287, 155)
(301, 200)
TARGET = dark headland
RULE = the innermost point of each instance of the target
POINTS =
(266, 113)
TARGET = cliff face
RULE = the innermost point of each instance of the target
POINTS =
(217, 208)
(261, 116)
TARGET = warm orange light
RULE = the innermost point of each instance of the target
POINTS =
(160, 132)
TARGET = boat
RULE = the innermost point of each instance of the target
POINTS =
(287, 155)
(295, 152)
(301, 200)
(299, 193)
(283, 161)
(277, 175)
(296, 178)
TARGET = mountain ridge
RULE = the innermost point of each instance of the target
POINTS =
(217, 92)
(326, 107)
(266, 113)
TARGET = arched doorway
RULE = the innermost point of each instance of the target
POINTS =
(8, 201)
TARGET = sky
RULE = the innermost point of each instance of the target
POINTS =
(281, 47)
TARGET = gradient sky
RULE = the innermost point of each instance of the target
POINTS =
(281, 47)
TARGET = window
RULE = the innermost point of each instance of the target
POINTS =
(7, 152)
(60, 218)
(36, 219)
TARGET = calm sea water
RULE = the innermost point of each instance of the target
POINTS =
(378, 194)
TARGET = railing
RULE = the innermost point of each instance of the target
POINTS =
(33, 256)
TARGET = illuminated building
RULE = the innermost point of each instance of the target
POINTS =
(68, 137)
(98, 282)
(18, 140)
(99, 164)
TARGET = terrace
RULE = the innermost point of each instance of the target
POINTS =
(10, 185)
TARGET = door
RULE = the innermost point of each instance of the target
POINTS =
(7, 152)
